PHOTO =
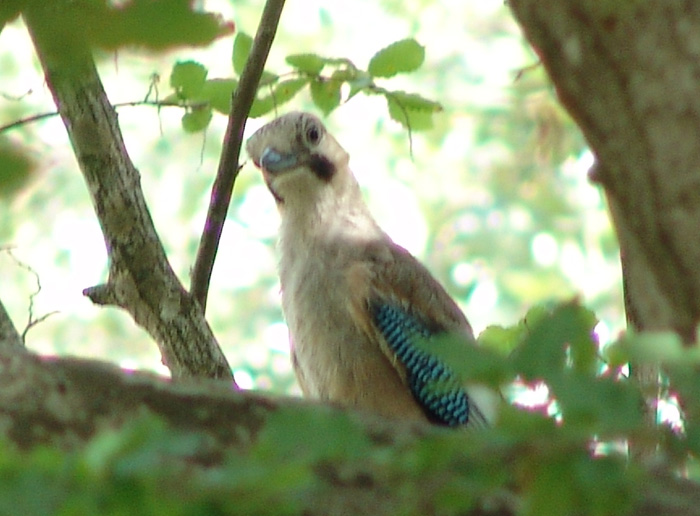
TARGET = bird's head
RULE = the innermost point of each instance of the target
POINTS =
(300, 161)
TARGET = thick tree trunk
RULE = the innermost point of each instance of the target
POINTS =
(629, 74)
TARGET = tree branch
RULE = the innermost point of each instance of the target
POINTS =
(65, 403)
(41, 116)
(10, 338)
(229, 166)
(140, 278)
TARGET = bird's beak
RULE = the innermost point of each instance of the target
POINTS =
(273, 161)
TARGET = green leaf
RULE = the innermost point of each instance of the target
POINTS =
(241, 50)
(552, 476)
(659, 348)
(261, 106)
(543, 352)
(154, 24)
(692, 437)
(138, 446)
(413, 119)
(281, 93)
(410, 110)
(286, 90)
(196, 120)
(603, 405)
(344, 75)
(583, 351)
(326, 94)
(218, 92)
(287, 431)
(360, 82)
(187, 78)
(468, 361)
(9, 9)
(172, 98)
(500, 339)
(413, 101)
(267, 78)
(16, 168)
(399, 57)
(596, 487)
(308, 63)
(615, 355)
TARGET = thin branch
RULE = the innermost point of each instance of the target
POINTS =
(404, 112)
(229, 166)
(25, 121)
(31, 320)
(41, 116)
(7, 329)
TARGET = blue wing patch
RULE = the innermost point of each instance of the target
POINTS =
(432, 383)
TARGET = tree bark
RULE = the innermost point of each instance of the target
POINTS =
(140, 277)
(629, 74)
(66, 401)
(10, 339)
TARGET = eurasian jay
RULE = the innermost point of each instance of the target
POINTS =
(354, 301)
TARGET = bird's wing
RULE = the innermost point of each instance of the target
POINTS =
(398, 303)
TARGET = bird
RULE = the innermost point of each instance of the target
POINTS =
(356, 303)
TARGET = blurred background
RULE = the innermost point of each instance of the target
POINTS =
(495, 199)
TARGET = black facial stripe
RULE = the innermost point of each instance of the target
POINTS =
(322, 167)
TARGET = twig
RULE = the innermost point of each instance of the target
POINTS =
(31, 320)
(41, 116)
(28, 120)
(229, 166)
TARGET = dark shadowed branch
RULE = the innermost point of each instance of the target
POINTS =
(67, 402)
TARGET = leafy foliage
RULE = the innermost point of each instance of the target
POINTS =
(326, 94)
(554, 347)
(307, 63)
(111, 26)
(139, 470)
(409, 109)
(241, 49)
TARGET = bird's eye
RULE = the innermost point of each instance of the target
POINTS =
(313, 134)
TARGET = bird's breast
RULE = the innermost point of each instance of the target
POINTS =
(334, 359)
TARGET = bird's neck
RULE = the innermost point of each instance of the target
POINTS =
(331, 218)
